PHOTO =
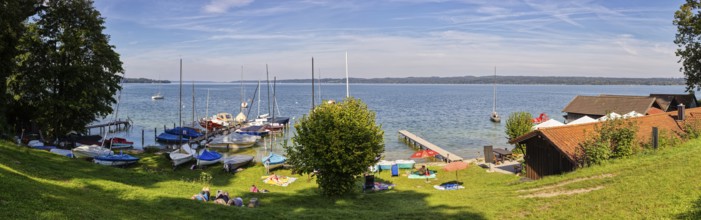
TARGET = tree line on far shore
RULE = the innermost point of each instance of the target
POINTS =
(144, 80)
(550, 80)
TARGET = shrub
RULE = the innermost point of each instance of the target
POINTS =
(612, 139)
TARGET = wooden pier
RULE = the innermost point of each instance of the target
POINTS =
(119, 125)
(414, 140)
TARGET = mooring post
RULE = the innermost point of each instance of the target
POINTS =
(142, 138)
(154, 133)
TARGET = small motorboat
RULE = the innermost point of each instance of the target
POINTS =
(257, 130)
(116, 159)
(234, 141)
(234, 162)
(187, 132)
(171, 138)
(207, 157)
(157, 96)
(116, 143)
(90, 151)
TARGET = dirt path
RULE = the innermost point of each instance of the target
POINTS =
(533, 191)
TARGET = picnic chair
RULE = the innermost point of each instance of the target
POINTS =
(369, 182)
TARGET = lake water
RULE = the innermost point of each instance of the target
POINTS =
(454, 117)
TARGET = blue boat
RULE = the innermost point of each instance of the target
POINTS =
(207, 157)
(274, 160)
(171, 138)
(253, 130)
(116, 159)
(187, 132)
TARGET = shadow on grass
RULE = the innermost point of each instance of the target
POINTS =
(694, 213)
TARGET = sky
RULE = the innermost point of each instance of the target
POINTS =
(216, 39)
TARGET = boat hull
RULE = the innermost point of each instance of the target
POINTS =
(90, 151)
(405, 164)
(234, 162)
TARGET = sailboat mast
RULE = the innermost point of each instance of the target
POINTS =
(267, 77)
(258, 98)
(180, 103)
(206, 113)
(347, 89)
(274, 83)
(193, 102)
(313, 83)
(241, 89)
(494, 108)
(320, 100)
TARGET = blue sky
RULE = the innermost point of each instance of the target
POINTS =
(392, 38)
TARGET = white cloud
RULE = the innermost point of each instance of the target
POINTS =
(221, 6)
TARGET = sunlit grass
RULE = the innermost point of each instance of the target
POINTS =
(37, 184)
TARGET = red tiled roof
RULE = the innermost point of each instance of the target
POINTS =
(654, 110)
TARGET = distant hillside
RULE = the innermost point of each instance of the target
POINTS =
(144, 80)
(506, 80)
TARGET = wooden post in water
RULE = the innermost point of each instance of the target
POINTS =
(142, 138)
(155, 133)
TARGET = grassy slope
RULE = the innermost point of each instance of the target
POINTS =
(39, 184)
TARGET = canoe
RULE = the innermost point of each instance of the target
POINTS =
(274, 160)
(90, 151)
(116, 159)
(405, 164)
(234, 162)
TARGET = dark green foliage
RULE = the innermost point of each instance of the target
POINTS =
(688, 39)
(614, 138)
(67, 73)
(519, 123)
(692, 129)
(340, 141)
(12, 15)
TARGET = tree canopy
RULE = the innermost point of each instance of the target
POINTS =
(519, 123)
(688, 38)
(67, 71)
(14, 13)
(340, 141)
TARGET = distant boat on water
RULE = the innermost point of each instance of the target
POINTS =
(495, 116)
(158, 95)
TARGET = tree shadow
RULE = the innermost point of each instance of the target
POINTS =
(694, 213)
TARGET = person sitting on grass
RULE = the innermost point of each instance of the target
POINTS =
(202, 196)
(422, 170)
(274, 177)
(254, 189)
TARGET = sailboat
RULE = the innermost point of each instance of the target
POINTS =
(495, 116)
(158, 95)
(273, 160)
(110, 159)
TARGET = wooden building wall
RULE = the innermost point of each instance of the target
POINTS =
(543, 159)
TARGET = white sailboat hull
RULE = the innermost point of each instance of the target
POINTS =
(90, 151)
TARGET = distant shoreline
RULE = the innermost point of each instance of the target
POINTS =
(512, 80)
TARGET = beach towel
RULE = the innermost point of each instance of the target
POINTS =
(450, 186)
(281, 180)
(416, 176)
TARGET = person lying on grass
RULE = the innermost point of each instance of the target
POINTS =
(222, 198)
(202, 196)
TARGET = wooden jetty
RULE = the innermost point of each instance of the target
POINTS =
(414, 140)
(119, 124)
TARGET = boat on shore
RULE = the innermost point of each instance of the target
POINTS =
(385, 164)
(207, 157)
(116, 159)
(90, 151)
(234, 141)
(171, 138)
(234, 162)
(257, 130)
(274, 160)
(117, 143)
(181, 155)
(405, 164)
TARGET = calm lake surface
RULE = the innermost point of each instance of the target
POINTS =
(455, 117)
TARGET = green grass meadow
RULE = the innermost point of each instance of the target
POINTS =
(654, 184)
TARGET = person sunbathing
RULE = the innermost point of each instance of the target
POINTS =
(254, 189)
(222, 198)
(202, 196)
(274, 177)
(422, 170)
